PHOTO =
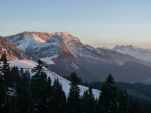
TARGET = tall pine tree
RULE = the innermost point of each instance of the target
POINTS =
(39, 89)
(59, 98)
(3, 71)
(73, 101)
(88, 102)
(108, 97)
(23, 92)
(112, 98)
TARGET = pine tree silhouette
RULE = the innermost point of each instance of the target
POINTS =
(73, 100)
(39, 85)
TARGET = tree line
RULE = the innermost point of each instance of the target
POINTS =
(21, 92)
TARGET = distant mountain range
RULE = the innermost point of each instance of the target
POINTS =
(139, 53)
(64, 53)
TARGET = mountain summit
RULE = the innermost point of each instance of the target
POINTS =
(44, 45)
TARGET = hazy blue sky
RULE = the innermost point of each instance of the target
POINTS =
(99, 22)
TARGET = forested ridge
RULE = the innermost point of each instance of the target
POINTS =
(22, 93)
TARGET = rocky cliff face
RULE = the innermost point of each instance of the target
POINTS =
(12, 51)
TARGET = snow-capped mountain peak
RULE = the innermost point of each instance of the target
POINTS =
(64, 53)
(45, 36)
(45, 44)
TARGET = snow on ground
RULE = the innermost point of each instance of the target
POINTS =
(28, 41)
(38, 39)
(64, 82)
(49, 60)
(23, 63)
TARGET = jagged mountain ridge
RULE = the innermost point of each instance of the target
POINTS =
(68, 54)
(49, 43)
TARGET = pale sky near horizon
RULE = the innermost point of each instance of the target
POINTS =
(96, 22)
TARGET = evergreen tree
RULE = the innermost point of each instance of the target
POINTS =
(39, 89)
(108, 98)
(73, 100)
(74, 78)
(5, 75)
(123, 101)
(50, 98)
(59, 99)
(23, 92)
(88, 102)
(112, 98)
(92, 101)
(39, 67)
(3, 69)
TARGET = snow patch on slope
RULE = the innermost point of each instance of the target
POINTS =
(49, 60)
(38, 39)
(24, 63)
(66, 84)
(27, 41)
